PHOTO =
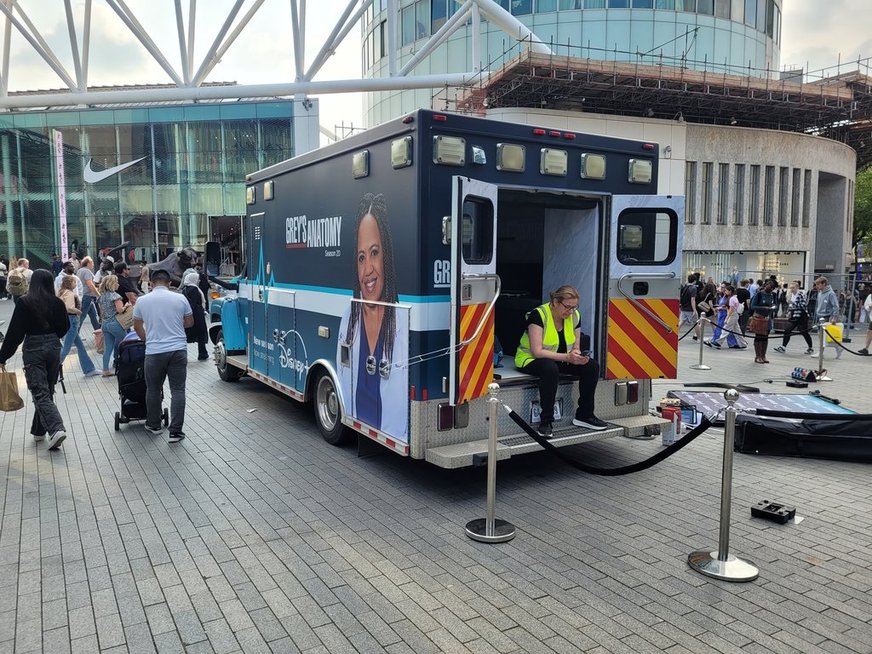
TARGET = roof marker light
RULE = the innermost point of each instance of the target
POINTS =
(647, 146)
(569, 136)
(408, 119)
(440, 117)
(538, 131)
(554, 133)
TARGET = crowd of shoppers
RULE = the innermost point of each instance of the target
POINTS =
(51, 307)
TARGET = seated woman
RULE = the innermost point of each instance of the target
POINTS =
(551, 346)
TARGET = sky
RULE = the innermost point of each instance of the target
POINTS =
(815, 35)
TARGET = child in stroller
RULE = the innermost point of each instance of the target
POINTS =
(130, 372)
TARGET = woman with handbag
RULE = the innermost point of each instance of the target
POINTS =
(39, 321)
(111, 307)
(762, 305)
(74, 309)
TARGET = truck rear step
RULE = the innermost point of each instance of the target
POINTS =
(466, 454)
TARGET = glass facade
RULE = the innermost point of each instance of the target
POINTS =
(157, 177)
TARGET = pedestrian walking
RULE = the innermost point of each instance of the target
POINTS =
(198, 332)
(111, 304)
(797, 314)
(160, 318)
(18, 280)
(71, 301)
(39, 321)
(730, 330)
(89, 293)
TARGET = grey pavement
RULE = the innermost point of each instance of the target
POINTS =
(254, 535)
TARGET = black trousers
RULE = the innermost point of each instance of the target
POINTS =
(791, 326)
(549, 372)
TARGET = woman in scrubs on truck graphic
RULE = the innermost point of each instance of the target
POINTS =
(373, 334)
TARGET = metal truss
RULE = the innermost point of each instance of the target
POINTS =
(189, 79)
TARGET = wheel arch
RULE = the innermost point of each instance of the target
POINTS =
(315, 369)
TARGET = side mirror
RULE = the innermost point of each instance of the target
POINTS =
(213, 258)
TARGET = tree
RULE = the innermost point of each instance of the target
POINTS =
(863, 210)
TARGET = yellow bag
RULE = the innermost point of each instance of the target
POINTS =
(834, 332)
(10, 400)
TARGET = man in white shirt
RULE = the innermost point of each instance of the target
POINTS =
(160, 319)
(68, 271)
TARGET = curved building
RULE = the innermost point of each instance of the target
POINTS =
(734, 36)
(764, 196)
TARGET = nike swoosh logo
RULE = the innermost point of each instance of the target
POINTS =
(93, 176)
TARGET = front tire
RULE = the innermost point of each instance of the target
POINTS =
(328, 411)
(226, 371)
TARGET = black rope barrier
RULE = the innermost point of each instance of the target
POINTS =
(609, 472)
(776, 337)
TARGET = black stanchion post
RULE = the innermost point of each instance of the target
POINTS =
(489, 529)
(701, 366)
(721, 564)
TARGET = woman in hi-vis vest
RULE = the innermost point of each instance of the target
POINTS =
(551, 346)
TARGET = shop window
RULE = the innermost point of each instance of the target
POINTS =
(706, 7)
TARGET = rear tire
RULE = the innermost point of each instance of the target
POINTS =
(328, 411)
(226, 371)
(117, 421)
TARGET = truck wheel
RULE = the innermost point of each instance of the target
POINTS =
(117, 421)
(328, 412)
(226, 372)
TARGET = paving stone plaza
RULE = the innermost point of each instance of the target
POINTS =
(254, 535)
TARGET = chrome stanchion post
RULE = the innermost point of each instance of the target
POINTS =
(701, 366)
(822, 340)
(721, 564)
(489, 529)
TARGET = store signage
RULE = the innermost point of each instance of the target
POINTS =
(93, 176)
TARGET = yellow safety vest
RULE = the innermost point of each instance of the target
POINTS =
(550, 338)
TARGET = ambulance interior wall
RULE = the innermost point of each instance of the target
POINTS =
(543, 242)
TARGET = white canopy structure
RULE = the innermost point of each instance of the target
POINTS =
(187, 77)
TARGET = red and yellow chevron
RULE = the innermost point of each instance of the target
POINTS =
(476, 360)
(638, 346)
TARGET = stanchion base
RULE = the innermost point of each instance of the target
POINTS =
(825, 378)
(733, 569)
(477, 530)
(700, 366)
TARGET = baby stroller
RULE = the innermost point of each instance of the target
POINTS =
(130, 371)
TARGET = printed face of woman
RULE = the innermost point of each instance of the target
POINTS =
(370, 259)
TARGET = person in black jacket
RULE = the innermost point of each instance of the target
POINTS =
(39, 321)
(198, 332)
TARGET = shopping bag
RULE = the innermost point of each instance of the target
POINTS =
(98, 340)
(834, 332)
(125, 318)
(10, 400)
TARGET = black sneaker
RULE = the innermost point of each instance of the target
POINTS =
(175, 437)
(590, 422)
(546, 430)
(781, 349)
(864, 352)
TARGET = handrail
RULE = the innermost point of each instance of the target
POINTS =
(639, 305)
(490, 307)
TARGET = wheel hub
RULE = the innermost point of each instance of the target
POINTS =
(220, 354)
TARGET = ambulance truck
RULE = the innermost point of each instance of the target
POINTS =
(388, 272)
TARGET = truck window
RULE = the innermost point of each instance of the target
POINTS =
(647, 237)
(477, 231)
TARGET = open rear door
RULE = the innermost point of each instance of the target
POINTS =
(474, 288)
(644, 281)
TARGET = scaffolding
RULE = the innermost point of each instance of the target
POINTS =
(837, 107)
